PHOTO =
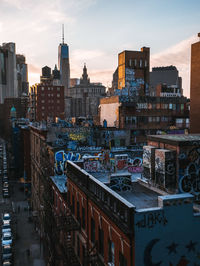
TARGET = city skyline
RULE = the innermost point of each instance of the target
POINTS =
(96, 31)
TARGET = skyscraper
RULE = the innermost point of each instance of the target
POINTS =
(8, 71)
(63, 64)
(195, 88)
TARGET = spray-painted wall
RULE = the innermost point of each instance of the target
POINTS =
(168, 235)
(189, 170)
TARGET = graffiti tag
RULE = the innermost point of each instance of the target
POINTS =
(151, 219)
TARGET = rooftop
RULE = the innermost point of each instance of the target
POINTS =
(140, 196)
(175, 138)
(60, 182)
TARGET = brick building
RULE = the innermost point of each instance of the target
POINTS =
(46, 99)
(137, 227)
(100, 219)
(172, 162)
(145, 115)
(195, 88)
(133, 71)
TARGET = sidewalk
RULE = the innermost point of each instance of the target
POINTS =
(27, 238)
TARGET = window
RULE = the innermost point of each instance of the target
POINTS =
(122, 260)
(73, 204)
(145, 63)
(83, 217)
(49, 95)
(78, 211)
(92, 230)
(58, 89)
(140, 62)
(101, 241)
(42, 107)
(130, 62)
(42, 88)
(111, 252)
(78, 246)
(58, 95)
(49, 89)
(42, 114)
(42, 101)
(135, 62)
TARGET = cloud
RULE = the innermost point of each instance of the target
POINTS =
(80, 54)
(33, 69)
(179, 56)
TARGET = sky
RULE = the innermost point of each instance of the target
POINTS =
(97, 30)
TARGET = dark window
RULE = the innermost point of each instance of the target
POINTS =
(83, 217)
(78, 212)
(92, 230)
(122, 260)
(78, 246)
(111, 251)
(73, 204)
(101, 242)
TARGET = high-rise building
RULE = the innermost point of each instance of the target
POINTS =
(13, 73)
(195, 88)
(8, 77)
(63, 64)
(22, 75)
(133, 71)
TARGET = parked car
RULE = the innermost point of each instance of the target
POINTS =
(5, 184)
(7, 263)
(6, 217)
(6, 239)
(5, 178)
(6, 255)
(6, 227)
(6, 193)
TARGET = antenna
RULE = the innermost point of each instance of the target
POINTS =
(63, 34)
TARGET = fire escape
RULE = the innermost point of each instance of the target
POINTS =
(58, 247)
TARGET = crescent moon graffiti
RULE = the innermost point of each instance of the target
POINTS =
(147, 254)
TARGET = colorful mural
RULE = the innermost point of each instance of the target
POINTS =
(123, 162)
(60, 161)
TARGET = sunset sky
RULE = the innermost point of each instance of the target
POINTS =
(97, 30)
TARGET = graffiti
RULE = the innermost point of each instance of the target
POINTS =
(165, 167)
(189, 171)
(61, 158)
(147, 157)
(121, 164)
(120, 183)
(91, 166)
(60, 162)
(190, 182)
(173, 252)
(147, 254)
(135, 169)
(151, 219)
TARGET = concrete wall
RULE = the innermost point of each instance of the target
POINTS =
(168, 235)
(109, 112)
